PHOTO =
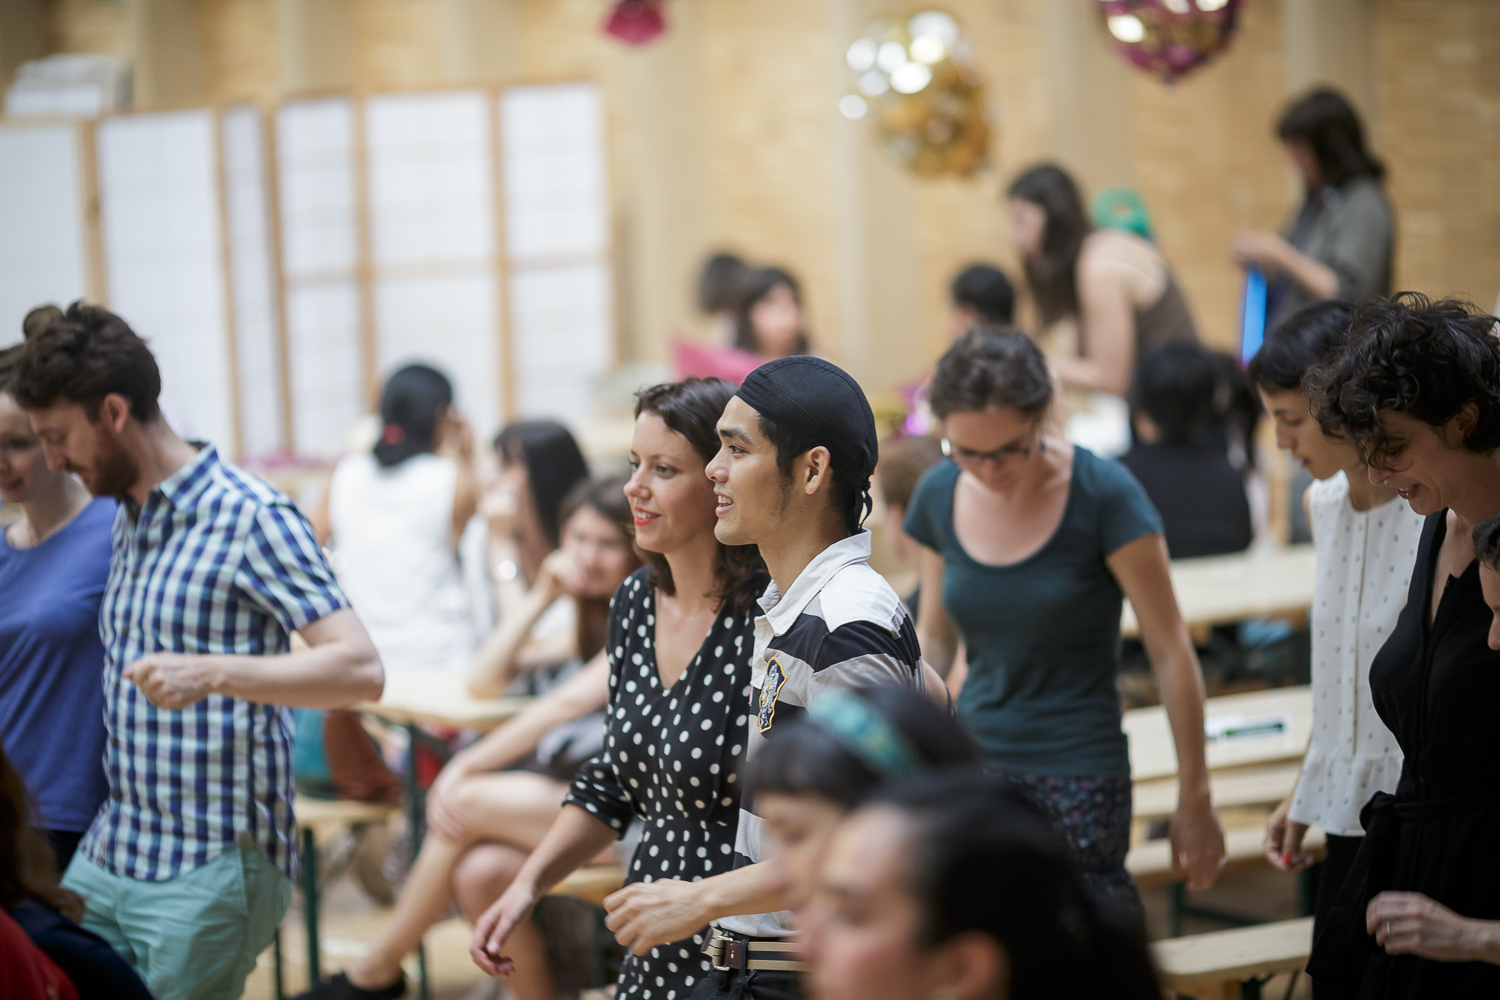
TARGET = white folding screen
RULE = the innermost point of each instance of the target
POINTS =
(556, 212)
(432, 235)
(42, 234)
(247, 214)
(315, 163)
(163, 255)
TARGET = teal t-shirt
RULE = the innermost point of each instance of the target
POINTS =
(1043, 635)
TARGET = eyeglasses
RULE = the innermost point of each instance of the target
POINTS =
(1005, 455)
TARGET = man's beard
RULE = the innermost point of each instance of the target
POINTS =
(113, 472)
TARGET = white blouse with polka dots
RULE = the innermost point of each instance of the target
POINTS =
(1364, 569)
(672, 758)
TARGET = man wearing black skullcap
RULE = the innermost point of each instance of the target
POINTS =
(792, 477)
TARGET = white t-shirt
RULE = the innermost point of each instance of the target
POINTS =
(1365, 563)
(396, 557)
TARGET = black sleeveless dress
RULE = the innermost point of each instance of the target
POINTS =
(672, 758)
(1438, 690)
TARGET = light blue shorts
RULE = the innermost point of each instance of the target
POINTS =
(193, 937)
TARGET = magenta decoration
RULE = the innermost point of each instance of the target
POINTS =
(636, 21)
(1169, 38)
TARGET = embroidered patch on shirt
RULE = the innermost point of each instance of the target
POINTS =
(769, 692)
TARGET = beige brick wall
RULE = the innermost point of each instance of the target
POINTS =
(1203, 154)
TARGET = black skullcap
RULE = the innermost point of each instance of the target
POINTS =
(820, 404)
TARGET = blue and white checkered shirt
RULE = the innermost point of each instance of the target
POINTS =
(215, 562)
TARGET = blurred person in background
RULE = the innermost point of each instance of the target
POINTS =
(956, 886)
(1338, 245)
(903, 460)
(980, 295)
(395, 515)
(54, 562)
(497, 798)
(770, 323)
(1105, 295)
(1181, 456)
(721, 285)
(1366, 539)
(31, 895)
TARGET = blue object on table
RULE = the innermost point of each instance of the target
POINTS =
(1253, 316)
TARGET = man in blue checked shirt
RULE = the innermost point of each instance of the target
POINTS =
(188, 867)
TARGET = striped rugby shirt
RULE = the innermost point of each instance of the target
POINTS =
(215, 562)
(840, 625)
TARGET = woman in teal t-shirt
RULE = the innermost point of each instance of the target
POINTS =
(1030, 546)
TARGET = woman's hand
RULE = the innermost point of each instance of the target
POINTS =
(503, 916)
(1284, 840)
(645, 915)
(1197, 843)
(445, 816)
(1263, 251)
(558, 576)
(458, 436)
(1409, 923)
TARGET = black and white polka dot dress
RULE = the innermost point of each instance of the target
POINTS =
(672, 759)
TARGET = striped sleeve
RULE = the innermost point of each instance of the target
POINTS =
(283, 570)
(861, 653)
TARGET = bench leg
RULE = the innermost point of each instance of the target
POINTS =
(1308, 883)
(416, 820)
(1175, 893)
(280, 978)
(310, 905)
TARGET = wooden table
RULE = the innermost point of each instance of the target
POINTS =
(1153, 754)
(1222, 590)
(440, 699)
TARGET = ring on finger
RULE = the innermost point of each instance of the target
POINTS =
(1387, 928)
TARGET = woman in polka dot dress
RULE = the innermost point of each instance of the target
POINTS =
(679, 643)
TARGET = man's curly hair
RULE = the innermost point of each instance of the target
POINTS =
(80, 356)
(1409, 354)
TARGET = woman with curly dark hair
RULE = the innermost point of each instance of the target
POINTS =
(680, 637)
(1417, 390)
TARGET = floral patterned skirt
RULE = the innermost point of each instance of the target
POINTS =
(1095, 815)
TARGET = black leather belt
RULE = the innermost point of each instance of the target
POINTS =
(728, 951)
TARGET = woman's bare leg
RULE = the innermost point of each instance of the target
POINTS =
(484, 873)
(515, 808)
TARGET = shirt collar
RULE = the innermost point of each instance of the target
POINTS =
(781, 611)
(187, 484)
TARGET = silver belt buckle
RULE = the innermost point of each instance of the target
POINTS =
(724, 951)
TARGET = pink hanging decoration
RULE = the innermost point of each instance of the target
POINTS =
(1169, 38)
(636, 21)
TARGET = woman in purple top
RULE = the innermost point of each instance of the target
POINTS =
(53, 565)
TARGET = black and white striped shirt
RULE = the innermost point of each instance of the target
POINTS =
(840, 625)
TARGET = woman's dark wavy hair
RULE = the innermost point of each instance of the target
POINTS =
(1053, 273)
(1409, 354)
(27, 864)
(554, 465)
(1305, 339)
(411, 407)
(983, 857)
(757, 285)
(692, 408)
(805, 758)
(1330, 126)
(987, 368)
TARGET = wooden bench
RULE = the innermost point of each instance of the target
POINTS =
(318, 821)
(1151, 863)
(1260, 786)
(591, 884)
(1232, 964)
